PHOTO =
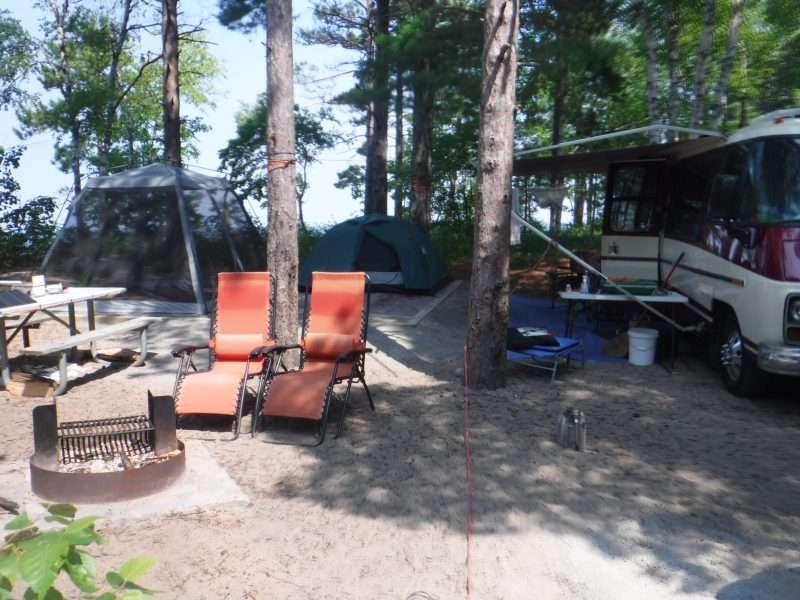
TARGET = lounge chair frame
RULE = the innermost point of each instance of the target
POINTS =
(273, 362)
(186, 354)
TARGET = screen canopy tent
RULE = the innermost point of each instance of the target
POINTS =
(160, 231)
(396, 254)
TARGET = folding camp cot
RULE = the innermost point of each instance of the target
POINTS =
(548, 358)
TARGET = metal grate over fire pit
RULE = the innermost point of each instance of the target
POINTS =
(104, 460)
(82, 441)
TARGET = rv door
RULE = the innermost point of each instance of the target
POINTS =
(632, 219)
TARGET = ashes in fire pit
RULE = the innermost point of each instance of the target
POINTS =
(105, 460)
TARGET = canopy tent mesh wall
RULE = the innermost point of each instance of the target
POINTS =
(159, 231)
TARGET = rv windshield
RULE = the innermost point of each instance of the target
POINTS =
(773, 168)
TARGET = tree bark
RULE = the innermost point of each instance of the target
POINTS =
(172, 94)
(673, 58)
(720, 101)
(399, 145)
(580, 200)
(282, 253)
(701, 63)
(60, 16)
(488, 296)
(422, 135)
(560, 88)
(113, 74)
(378, 146)
(651, 67)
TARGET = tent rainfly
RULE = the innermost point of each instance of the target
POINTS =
(160, 231)
(396, 254)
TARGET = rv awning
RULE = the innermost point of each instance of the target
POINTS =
(598, 161)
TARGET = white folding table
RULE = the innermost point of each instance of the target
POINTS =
(68, 297)
(670, 298)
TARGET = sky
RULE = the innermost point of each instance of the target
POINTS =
(242, 60)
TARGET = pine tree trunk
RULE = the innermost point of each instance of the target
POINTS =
(651, 67)
(75, 147)
(60, 17)
(580, 200)
(488, 296)
(378, 148)
(282, 257)
(104, 148)
(720, 101)
(673, 40)
(172, 94)
(399, 144)
(369, 203)
(559, 98)
(701, 63)
(422, 135)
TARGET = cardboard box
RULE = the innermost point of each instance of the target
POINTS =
(29, 386)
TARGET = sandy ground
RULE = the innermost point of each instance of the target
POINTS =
(685, 492)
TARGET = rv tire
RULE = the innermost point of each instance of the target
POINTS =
(740, 372)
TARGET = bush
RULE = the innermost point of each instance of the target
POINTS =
(26, 228)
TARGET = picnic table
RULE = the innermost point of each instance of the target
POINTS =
(46, 304)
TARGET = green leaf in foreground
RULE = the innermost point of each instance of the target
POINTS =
(42, 559)
(81, 570)
(62, 510)
(115, 579)
(19, 522)
(136, 567)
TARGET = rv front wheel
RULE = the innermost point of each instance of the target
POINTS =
(740, 371)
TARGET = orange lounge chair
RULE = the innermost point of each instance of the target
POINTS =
(332, 351)
(243, 320)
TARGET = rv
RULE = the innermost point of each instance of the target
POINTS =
(724, 216)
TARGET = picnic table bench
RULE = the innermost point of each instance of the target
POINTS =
(66, 345)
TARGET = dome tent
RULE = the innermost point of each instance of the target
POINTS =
(160, 231)
(396, 254)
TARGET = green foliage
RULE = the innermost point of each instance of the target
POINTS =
(16, 59)
(307, 239)
(26, 228)
(244, 159)
(352, 178)
(111, 123)
(242, 15)
(36, 558)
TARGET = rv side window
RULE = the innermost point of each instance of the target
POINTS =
(691, 182)
(634, 191)
(727, 187)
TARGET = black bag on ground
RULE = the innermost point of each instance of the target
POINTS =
(522, 338)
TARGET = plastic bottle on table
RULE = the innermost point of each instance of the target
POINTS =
(585, 283)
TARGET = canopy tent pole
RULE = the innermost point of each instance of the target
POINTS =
(60, 233)
(191, 249)
(591, 269)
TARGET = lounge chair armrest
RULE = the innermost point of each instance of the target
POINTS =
(176, 352)
(351, 355)
(263, 351)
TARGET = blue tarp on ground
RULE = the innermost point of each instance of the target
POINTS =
(537, 312)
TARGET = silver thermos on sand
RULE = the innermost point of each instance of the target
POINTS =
(571, 430)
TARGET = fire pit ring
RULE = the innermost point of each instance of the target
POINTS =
(127, 437)
(111, 486)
